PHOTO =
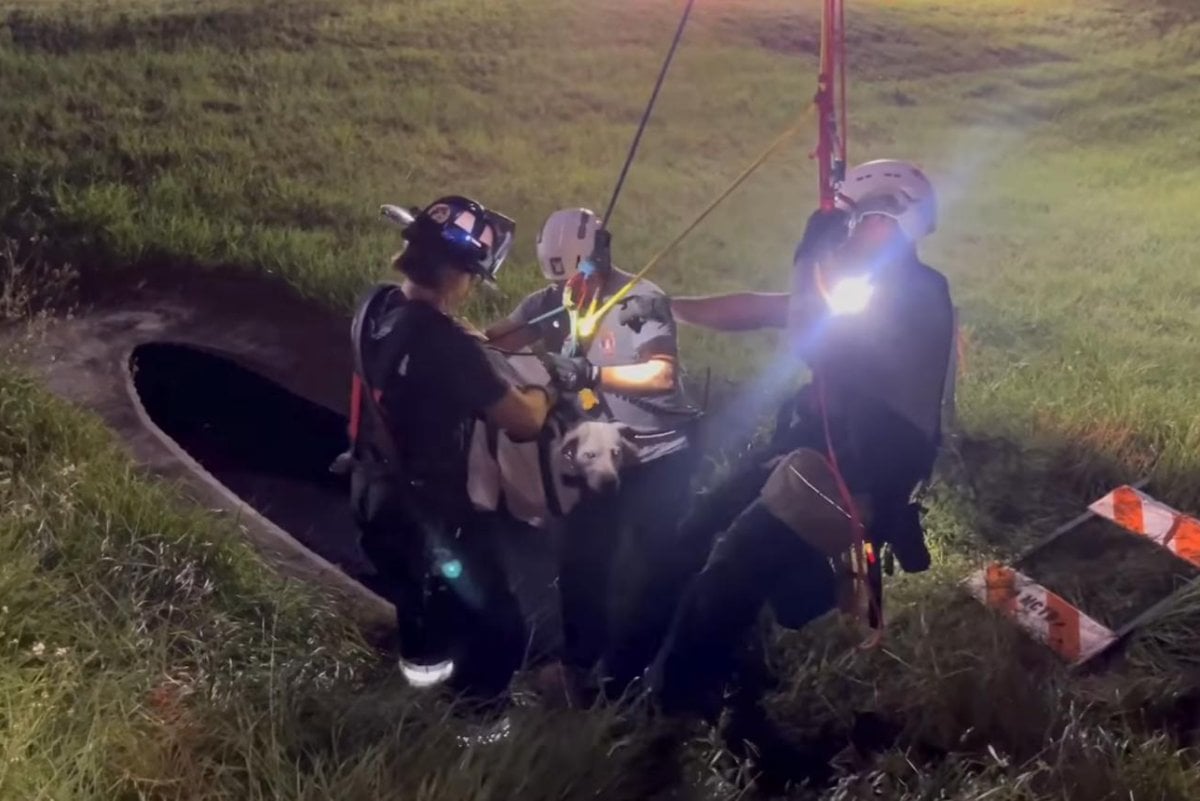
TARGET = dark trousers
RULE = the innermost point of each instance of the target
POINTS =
(448, 584)
(623, 567)
(756, 560)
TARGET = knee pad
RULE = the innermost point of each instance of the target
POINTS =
(802, 492)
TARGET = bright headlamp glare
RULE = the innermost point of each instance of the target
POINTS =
(850, 295)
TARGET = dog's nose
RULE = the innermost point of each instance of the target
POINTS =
(606, 482)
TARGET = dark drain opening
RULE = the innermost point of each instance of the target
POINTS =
(268, 445)
(273, 449)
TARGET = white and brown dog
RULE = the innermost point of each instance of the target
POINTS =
(596, 451)
(538, 480)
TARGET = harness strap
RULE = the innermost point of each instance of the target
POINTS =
(355, 406)
(691, 413)
(368, 395)
(360, 385)
(491, 435)
(546, 467)
(863, 556)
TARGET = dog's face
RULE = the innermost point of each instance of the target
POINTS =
(596, 452)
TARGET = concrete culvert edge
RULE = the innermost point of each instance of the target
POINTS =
(267, 451)
(236, 431)
(270, 447)
(235, 390)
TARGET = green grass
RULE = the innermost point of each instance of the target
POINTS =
(264, 135)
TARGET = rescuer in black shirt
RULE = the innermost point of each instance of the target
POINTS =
(422, 380)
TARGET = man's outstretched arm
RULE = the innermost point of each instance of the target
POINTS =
(738, 311)
(651, 377)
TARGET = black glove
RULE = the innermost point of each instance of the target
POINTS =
(570, 374)
(640, 309)
(601, 257)
(902, 529)
(824, 232)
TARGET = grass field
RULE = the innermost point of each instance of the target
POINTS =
(144, 651)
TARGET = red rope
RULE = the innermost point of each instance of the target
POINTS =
(865, 556)
(841, 60)
(831, 99)
(355, 406)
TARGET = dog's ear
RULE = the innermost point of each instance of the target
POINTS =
(626, 431)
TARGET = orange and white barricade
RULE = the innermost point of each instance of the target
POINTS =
(1043, 615)
(1137, 512)
(1051, 619)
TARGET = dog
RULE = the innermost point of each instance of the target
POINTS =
(539, 480)
(596, 451)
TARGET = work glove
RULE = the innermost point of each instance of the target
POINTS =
(638, 310)
(570, 374)
(601, 259)
(824, 232)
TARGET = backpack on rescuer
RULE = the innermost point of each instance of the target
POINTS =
(377, 459)
(370, 433)
(407, 473)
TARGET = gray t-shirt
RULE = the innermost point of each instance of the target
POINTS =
(660, 421)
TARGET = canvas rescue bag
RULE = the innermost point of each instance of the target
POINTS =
(526, 479)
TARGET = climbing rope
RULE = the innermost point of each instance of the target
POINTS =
(596, 312)
(641, 129)
(831, 102)
(577, 295)
(864, 563)
(578, 289)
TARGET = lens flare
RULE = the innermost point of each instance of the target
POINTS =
(850, 295)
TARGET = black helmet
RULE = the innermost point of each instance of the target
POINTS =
(456, 228)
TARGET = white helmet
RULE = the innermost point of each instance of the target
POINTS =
(899, 190)
(567, 238)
